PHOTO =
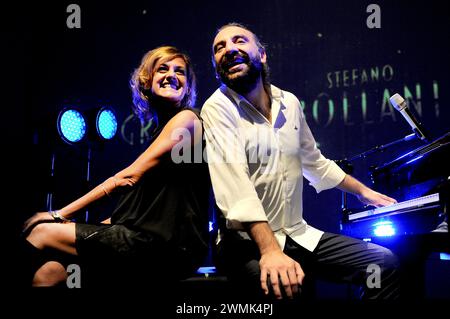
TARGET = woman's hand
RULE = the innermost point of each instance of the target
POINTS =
(41, 216)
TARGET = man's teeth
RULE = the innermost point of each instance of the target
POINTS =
(236, 63)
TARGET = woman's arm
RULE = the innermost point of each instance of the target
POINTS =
(185, 121)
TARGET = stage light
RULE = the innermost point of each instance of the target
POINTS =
(384, 229)
(444, 256)
(71, 125)
(106, 123)
(206, 270)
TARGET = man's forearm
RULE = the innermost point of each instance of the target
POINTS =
(263, 235)
(365, 194)
(352, 185)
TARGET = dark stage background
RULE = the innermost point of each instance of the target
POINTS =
(322, 51)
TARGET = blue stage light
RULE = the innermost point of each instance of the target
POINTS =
(71, 125)
(444, 256)
(106, 123)
(206, 270)
(384, 229)
(211, 226)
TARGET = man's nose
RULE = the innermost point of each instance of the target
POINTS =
(230, 47)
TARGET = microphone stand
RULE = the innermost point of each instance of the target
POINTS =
(347, 167)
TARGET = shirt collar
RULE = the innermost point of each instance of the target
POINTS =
(275, 93)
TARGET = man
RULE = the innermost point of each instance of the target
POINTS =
(259, 147)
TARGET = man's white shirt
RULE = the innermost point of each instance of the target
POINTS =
(257, 167)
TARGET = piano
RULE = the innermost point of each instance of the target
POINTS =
(419, 181)
(417, 173)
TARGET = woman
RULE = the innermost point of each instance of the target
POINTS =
(160, 224)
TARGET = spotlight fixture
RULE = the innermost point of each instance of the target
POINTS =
(106, 123)
(71, 125)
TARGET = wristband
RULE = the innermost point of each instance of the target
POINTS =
(58, 217)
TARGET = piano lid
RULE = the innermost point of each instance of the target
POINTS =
(441, 144)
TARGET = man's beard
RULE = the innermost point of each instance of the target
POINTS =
(245, 82)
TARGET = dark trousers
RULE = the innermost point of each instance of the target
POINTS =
(337, 258)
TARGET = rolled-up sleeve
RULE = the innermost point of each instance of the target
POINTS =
(321, 172)
(234, 192)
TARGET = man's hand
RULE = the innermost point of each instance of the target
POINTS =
(373, 198)
(274, 263)
(366, 195)
(278, 267)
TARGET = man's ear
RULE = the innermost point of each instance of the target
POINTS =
(263, 55)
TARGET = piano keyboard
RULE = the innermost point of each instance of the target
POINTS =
(428, 201)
